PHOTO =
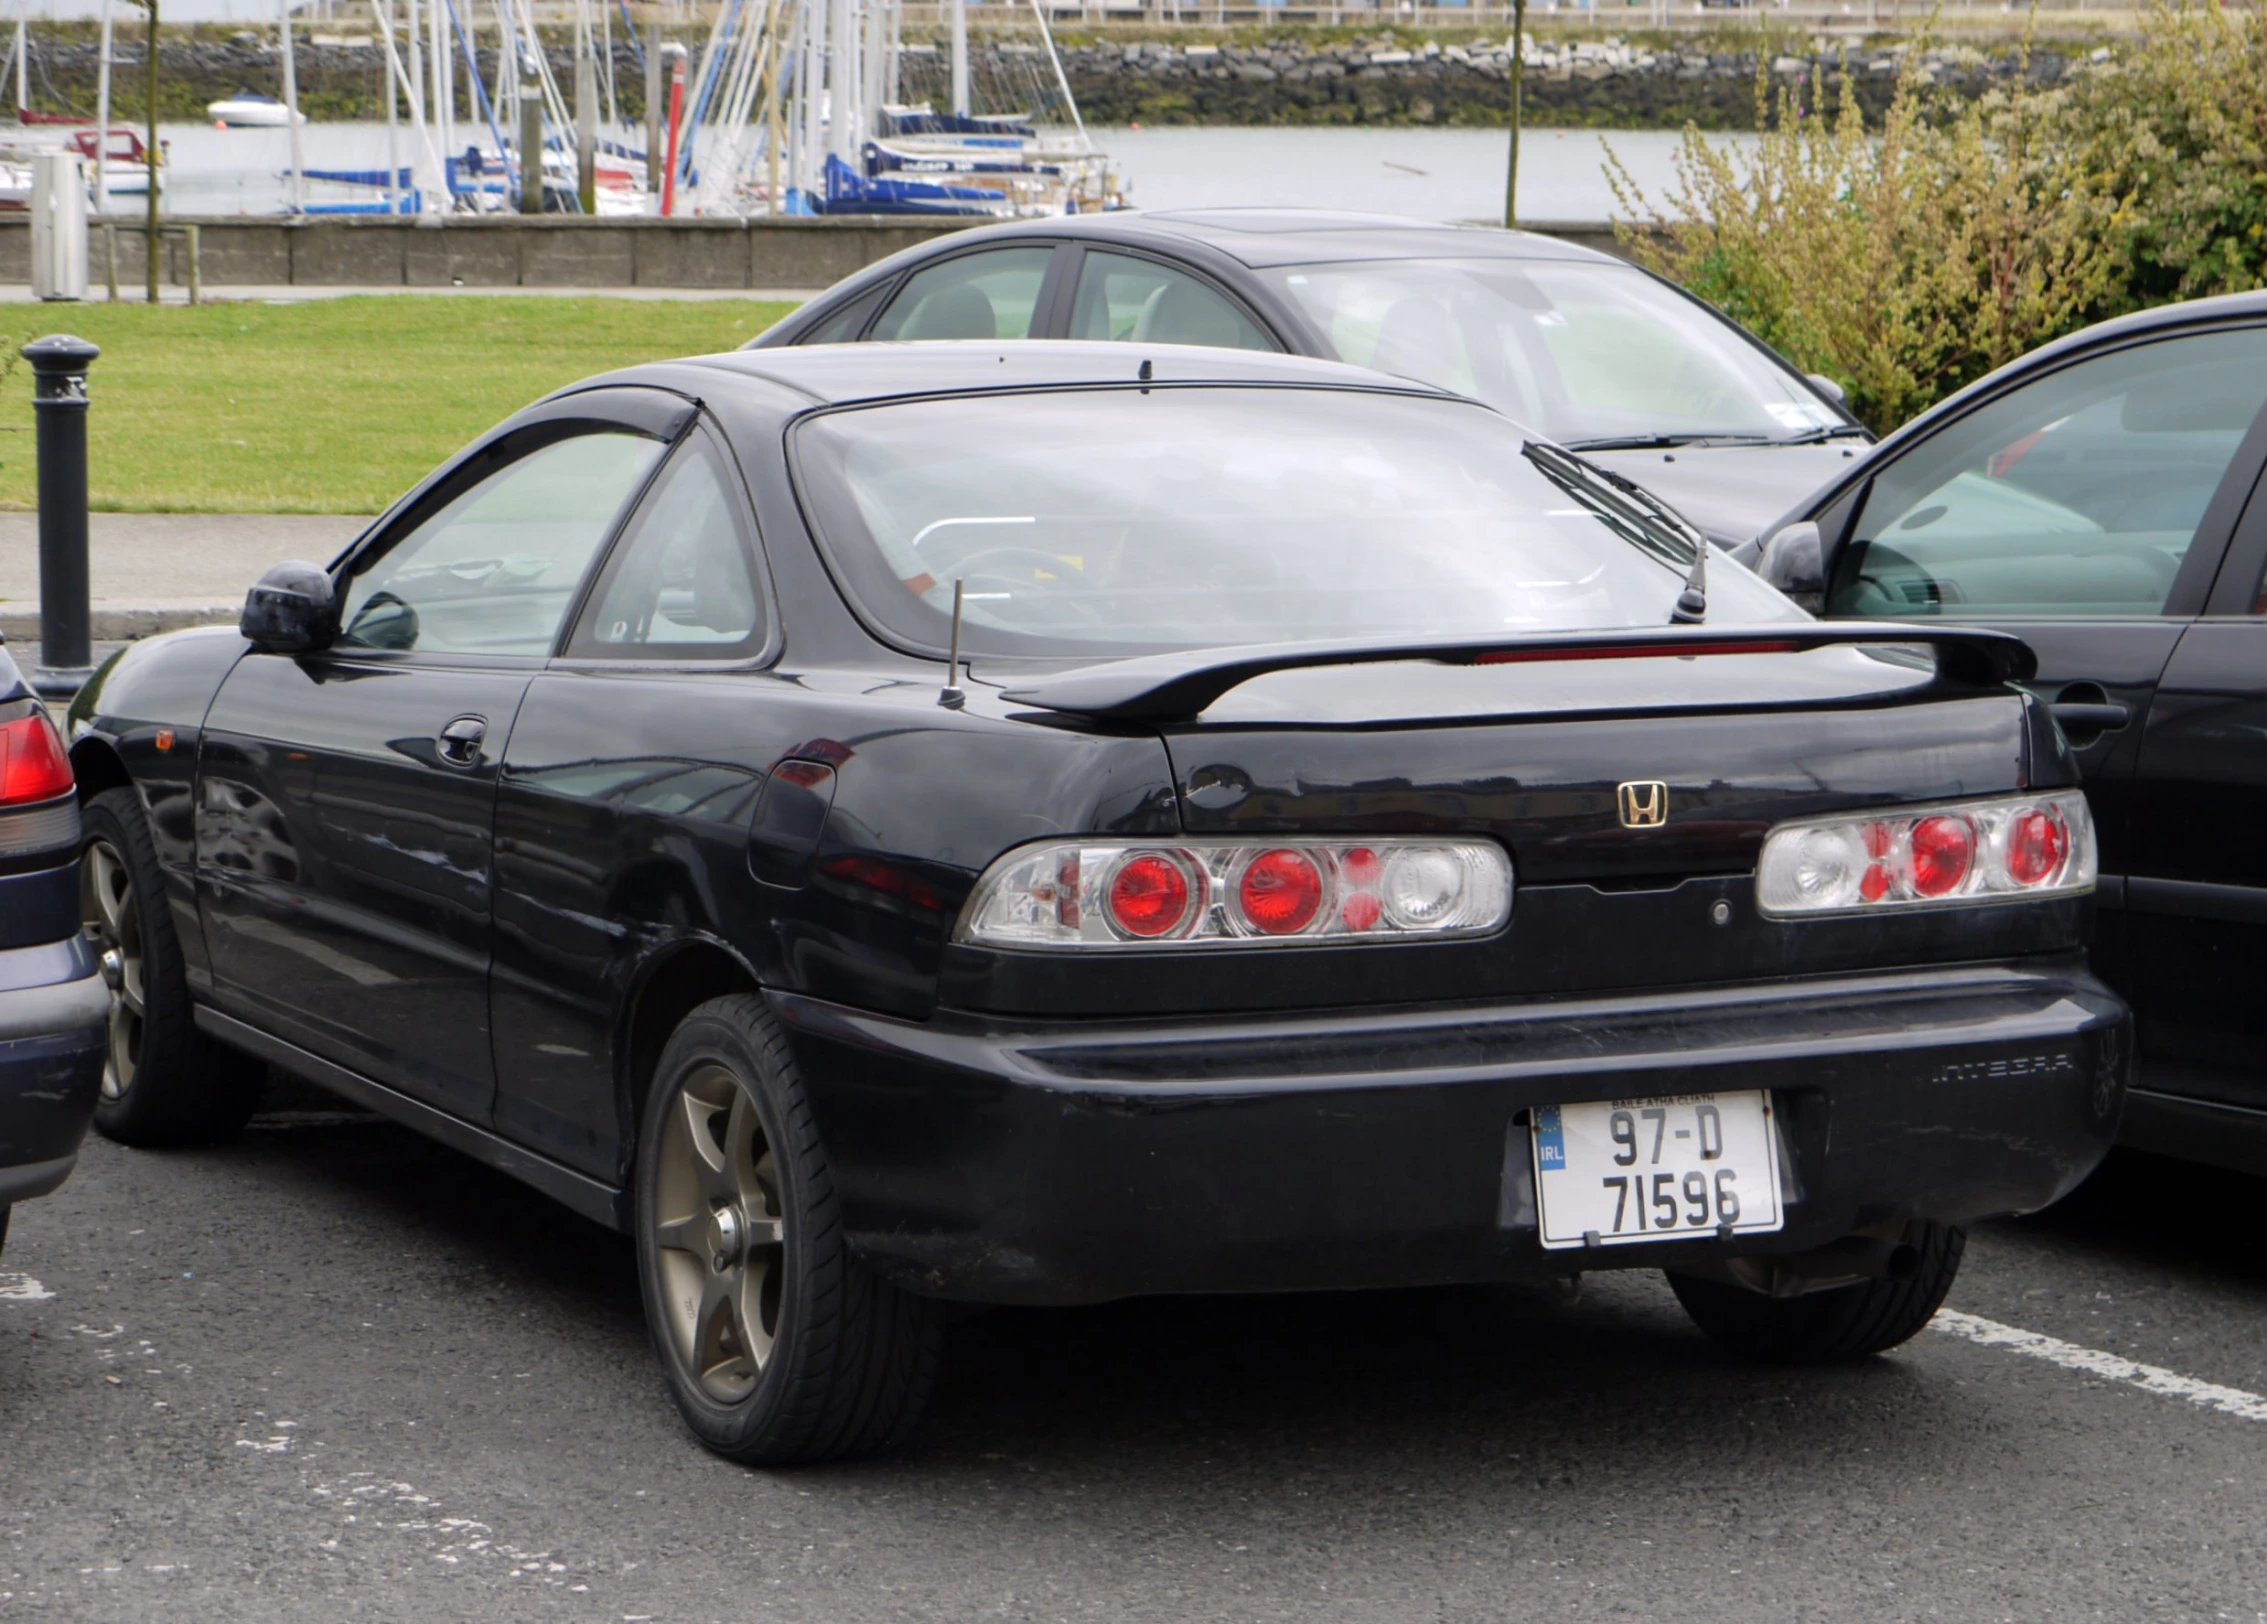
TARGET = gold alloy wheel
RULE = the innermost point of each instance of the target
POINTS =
(719, 1233)
(114, 927)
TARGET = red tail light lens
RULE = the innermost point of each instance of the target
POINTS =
(2037, 845)
(1280, 892)
(2009, 850)
(1107, 894)
(33, 765)
(1943, 847)
(1149, 895)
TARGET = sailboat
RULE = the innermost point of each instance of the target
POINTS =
(249, 110)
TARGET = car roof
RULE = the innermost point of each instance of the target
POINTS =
(1261, 237)
(833, 374)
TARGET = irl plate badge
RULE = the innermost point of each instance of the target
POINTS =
(1550, 1140)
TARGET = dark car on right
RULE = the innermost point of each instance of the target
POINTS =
(2102, 498)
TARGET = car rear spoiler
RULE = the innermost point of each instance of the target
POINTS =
(1182, 685)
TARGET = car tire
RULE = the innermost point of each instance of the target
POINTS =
(777, 1344)
(1827, 1327)
(163, 1081)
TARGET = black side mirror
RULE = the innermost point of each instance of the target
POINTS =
(1794, 561)
(290, 611)
(1828, 387)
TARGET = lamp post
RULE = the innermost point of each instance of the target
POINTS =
(1518, 55)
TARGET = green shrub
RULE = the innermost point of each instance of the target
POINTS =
(2175, 125)
(1902, 260)
(1908, 258)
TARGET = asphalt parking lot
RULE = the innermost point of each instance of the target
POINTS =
(333, 1371)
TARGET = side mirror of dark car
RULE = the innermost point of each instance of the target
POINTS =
(290, 611)
(1828, 387)
(1794, 561)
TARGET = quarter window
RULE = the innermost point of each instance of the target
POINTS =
(984, 296)
(2076, 495)
(1143, 302)
(681, 583)
(493, 571)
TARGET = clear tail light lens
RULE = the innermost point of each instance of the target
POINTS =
(1099, 893)
(2010, 850)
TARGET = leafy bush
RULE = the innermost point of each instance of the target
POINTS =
(2175, 127)
(1909, 258)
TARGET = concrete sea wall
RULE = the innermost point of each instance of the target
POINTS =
(546, 251)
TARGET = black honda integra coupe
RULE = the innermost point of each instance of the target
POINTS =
(1357, 846)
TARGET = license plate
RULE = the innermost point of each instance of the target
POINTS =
(1618, 1171)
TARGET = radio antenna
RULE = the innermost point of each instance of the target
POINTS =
(952, 697)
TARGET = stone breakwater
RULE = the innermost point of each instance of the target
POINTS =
(1610, 83)
(1604, 84)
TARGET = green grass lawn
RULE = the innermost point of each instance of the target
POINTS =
(332, 406)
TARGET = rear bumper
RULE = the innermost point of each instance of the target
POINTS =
(54, 1027)
(1071, 1162)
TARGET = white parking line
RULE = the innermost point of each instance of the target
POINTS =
(22, 1288)
(2108, 1366)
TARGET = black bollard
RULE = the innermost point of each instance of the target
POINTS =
(66, 620)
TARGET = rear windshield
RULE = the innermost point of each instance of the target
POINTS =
(1575, 350)
(1141, 520)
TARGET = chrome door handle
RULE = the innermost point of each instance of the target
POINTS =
(460, 741)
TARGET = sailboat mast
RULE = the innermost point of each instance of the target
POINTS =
(393, 130)
(413, 47)
(291, 116)
(444, 80)
(960, 58)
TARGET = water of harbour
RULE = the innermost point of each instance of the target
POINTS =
(1435, 174)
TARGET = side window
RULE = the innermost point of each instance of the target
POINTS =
(681, 582)
(2079, 494)
(494, 570)
(989, 295)
(1143, 302)
(844, 326)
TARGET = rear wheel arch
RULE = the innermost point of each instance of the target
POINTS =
(97, 766)
(669, 985)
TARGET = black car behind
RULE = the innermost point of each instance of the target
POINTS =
(1332, 865)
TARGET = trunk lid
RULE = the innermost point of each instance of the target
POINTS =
(1535, 754)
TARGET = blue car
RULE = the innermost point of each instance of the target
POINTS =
(55, 994)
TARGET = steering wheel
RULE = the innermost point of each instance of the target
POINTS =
(972, 572)
(395, 630)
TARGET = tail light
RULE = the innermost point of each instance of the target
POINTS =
(34, 768)
(2010, 850)
(1095, 893)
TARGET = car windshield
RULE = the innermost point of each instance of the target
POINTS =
(1129, 520)
(1582, 352)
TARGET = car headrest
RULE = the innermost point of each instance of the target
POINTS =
(1183, 313)
(960, 311)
